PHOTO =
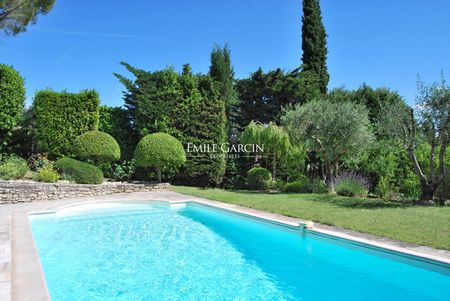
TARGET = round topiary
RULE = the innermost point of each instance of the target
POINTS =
(160, 151)
(97, 146)
(259, 178)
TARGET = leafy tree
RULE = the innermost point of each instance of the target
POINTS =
(97, 146)
(314, 43)
(263, 95)
(272, 137)
(16, 15)
(161, 152)
(429, 122)
(222, 71)
(12, 102)
(334, 131)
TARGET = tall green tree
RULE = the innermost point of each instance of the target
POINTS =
(12, 102)
(16, 15)
(221, 70)
(314, 43)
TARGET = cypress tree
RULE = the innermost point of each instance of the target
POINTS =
(314, 43)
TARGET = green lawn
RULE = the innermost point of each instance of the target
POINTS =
(429, 226)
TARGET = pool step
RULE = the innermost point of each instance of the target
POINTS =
(5, 259)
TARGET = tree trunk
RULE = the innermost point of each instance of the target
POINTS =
(158, 174)
(328, 175)
(428, 191)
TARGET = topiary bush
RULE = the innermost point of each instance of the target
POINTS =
(160, 151)
(60, 117)
(259, 178)
(47, 175)
(12, 168)
(80, 172)
(300, 186)
(97, 146)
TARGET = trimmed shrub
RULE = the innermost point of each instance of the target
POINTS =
(47, 175)
(61, 117)
(97, 146)
(300, 186)
(12, 168)
(351, 184)
(12, 103)
(259, 178)
(80, 172)
(160, 151)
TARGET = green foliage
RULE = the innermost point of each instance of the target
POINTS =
(97, 146)
(61, 117)
(318, 186)
(13, 167)
(262, 95)
(80, 172)
(314, 42)
(160, 151)
(272, 138)
(336, 132)
(116, 122)
(350, 187)
(124, 171)
(12, 102)
(47, 175)
(258, 178)
(299, 186)
(15, 15)
(187, 106)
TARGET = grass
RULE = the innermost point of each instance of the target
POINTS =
(428, 226)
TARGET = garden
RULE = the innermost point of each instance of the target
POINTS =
(362, 159)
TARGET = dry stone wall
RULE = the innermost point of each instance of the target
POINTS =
(18, 192)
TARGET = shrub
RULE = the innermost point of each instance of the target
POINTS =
(124, 171)
(47, 175)
(97, 146)
(13, 167)
(259, 178)
(318, 186)
(300, 186)
(351, 184)
(277, 184)
(12, 102)
(81, 172)
(160, 151)
(61, 117)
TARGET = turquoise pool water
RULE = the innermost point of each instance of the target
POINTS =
(153, 252)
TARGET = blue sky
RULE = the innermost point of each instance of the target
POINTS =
(80, 43)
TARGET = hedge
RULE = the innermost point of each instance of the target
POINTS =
(61, 117)
(12, 102)
(81, 172)
(97, 146)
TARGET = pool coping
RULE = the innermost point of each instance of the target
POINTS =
(27, 280)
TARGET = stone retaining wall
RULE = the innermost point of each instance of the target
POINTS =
(18, 192)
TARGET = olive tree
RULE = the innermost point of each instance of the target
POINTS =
(334, 131)
(160, 151)
(428, 122)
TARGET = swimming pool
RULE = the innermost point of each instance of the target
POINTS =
(156, 251)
